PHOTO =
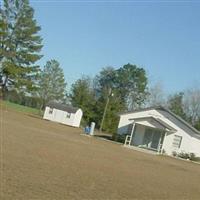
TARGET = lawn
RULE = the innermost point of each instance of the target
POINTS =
(20, 108)
(42, 160)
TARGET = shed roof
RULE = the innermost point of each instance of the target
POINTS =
(59, 106)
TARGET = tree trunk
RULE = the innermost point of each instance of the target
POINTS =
(42, 106)
(1, 93)
(3, 88)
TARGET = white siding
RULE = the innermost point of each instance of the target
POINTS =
(68, 121)
(58, 115)
(124, 119)
(77, 118)
(188, 144)
(62, 116)
(196, 146)
(47, 115)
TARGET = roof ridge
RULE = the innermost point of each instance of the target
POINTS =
(181, 119)
(62, 106)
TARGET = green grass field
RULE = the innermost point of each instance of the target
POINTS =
(20, 108)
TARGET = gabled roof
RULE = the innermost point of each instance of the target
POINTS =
(161, 108)
(63, 107)
(142, 109)
(159, 121)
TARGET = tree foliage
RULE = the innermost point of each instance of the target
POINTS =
(3, 35)
(132, 83)
(156, 95)
(20, 44)
(197, 125)
(106, 90)
(82, 96)
(120, 89)
(52, 85)
(191, 104)
(113, 87)
(187, 106)
(175, 104)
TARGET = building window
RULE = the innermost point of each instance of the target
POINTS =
(50, 111)
(177, 141)
(68, 115)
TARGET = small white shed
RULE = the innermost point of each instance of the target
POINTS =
(64, 114)
(160, 130)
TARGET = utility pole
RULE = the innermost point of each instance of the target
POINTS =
(105, 109)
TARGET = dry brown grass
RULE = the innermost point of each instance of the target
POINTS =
(45, 160)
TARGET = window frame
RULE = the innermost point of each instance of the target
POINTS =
(68, 115)
(50, 111)
(177, 140)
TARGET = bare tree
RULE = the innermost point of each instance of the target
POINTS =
(191, 103)
(156, 95)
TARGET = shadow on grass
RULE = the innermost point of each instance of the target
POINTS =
(106, 137)
(37, 116)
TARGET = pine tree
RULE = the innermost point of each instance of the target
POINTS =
(128, 85)
(3, 35)
(82, 96)
(175, 104)
(4, 44)
(132, 83)
(22, 47)
(52, 85)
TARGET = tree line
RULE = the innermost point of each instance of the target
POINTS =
(118, 90)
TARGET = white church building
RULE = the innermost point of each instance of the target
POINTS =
(64, 114)
(160, 130)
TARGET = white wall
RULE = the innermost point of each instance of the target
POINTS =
(77, 118)
(58, 115)
(196, 146)
(186, 143)
(66, 120)
(61, 117)
(189, 142)
(124, 119)
(47, 115)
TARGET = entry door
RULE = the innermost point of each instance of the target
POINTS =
(147, 138)
(155, 139)
(151, 138)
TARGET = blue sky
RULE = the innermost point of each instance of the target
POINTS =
(161, 37)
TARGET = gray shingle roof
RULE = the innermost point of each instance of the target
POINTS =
(59, 106)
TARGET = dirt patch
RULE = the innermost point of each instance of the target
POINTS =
(45, 160)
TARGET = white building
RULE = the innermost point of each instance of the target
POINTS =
(64, 114)
(160, 130)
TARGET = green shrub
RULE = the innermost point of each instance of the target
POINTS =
(184, 155)
(174, 153)
(196, 159)
(192, 156)
(120, 138)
